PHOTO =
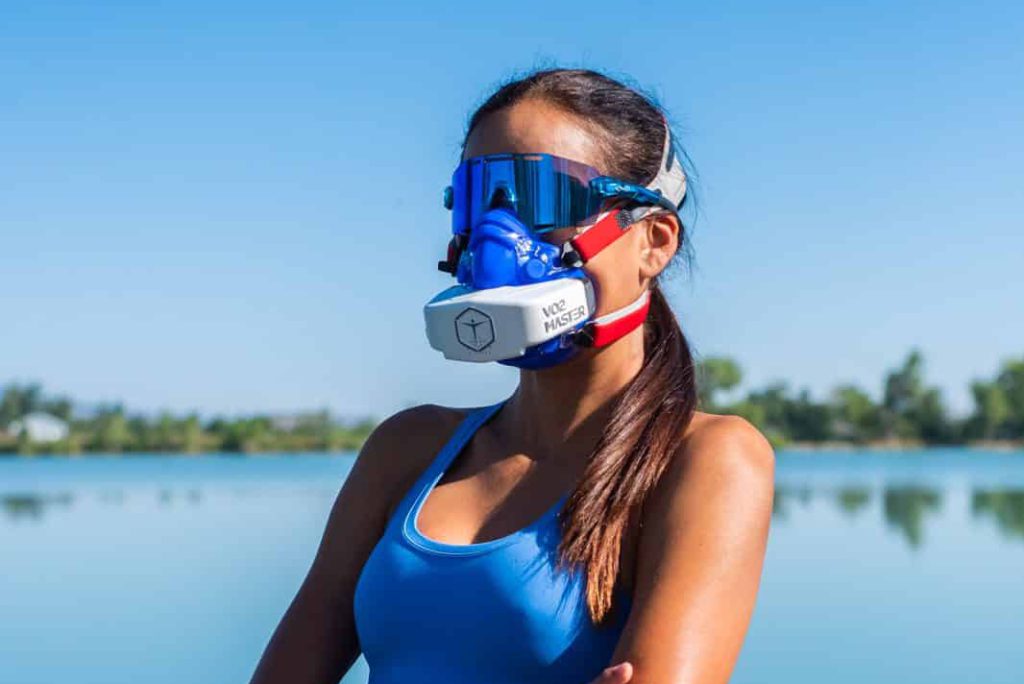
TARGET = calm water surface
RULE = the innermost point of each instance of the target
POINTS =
(881, 567)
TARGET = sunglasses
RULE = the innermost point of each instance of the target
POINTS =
(545, 192)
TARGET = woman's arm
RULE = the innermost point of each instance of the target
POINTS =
(316, 640)
(699, 557)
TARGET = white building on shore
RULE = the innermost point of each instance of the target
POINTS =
(42, 428)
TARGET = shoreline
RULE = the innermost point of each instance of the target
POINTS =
(1002, 446)
(1007, 445)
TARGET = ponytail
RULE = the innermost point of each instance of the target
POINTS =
(633, 451)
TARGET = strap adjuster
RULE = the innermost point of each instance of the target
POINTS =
(571, 257)
(584, 337)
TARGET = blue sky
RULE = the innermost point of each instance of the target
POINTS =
(235, 207)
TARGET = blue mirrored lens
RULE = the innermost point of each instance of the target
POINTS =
(545, 192)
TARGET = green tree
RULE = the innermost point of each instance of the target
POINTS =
(247, 434)
(140, 434)
(166, 433)
(766, 409)
(913, 411)
(931, 419)
(752, 411)
(991, 411)
(772, 400)
(857, 417)
(192, 435)
(18, 401)
(1011, 382)
(60, 407)
(313, 430)
(352, 436)
(716, 375)
(111, 430)
(903, 387)
(808, 420)
(24, 443)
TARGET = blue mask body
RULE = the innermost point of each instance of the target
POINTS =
(502, 251)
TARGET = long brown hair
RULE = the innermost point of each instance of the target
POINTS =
(649, 417)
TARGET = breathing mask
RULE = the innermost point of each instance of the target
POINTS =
(521, 300)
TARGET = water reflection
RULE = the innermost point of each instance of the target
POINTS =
(1004, 506)
(32, 506)
(906, 509)
(852, 500)
(167, 497)
(35, 505)
(785, 497)
(113, 497)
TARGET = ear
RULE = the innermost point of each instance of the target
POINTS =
(659, 243)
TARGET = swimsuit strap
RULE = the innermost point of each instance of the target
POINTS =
(463, 433)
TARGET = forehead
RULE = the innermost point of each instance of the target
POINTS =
(533, 126)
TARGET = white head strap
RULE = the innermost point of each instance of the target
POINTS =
(670, 180)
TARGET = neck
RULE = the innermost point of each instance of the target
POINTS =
(569, 404)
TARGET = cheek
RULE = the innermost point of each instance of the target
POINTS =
(614, 273)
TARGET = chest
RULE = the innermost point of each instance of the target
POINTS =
(503, 613)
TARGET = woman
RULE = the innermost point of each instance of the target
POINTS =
(593, 527)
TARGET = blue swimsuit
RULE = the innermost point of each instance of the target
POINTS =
(496, 612)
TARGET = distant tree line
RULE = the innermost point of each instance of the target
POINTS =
(110, 429)
(909, 410)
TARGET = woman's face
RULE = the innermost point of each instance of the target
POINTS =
(621, 271)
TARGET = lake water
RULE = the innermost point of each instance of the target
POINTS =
(881, 567)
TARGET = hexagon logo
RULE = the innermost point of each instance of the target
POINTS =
(474, 329)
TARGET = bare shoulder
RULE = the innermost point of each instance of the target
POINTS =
(400, 448)
(412, 430)
(722, 456)
(726, 441)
